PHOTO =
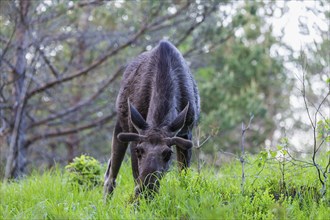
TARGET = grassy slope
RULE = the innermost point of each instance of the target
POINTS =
(210, 195)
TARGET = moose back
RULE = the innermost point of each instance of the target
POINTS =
(157, 107)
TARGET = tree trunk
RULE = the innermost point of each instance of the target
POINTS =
(16, 161)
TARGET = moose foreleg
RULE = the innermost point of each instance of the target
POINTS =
(117, 156)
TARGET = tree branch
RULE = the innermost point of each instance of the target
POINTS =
(71, 131)
(80, 104)
(53, 70)
(89, 68)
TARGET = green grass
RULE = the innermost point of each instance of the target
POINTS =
(212, 194)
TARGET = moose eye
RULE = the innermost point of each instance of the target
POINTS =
(139, 152)
(167, 154)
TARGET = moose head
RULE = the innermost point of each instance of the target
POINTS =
(153, 147)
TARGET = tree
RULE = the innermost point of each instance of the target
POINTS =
(62, 61)
(242, 78)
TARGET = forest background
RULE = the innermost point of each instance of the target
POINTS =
(61, 64)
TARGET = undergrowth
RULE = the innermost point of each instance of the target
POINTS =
(212, 194)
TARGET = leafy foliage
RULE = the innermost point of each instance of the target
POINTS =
(85, 171)
(241, 77)
(323, 130)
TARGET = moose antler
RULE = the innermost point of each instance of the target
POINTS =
(180, 142)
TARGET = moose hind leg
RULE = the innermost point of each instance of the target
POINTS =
(184, 156)
(117, 155)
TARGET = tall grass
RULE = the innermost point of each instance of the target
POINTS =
(212, 194)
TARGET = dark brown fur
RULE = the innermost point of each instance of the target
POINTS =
(157, 107)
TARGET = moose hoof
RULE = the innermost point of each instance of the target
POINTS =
(109, 186)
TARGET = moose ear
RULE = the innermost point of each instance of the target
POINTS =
(136, 118)
(127, 137)
(178, 123)
(180, 142)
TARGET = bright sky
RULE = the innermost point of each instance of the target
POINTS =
(298, 39)
(290, 22)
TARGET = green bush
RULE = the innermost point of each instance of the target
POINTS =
(85, 171)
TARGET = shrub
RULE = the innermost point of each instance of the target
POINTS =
(85, 171)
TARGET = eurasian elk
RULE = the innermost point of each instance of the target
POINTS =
(157, 107)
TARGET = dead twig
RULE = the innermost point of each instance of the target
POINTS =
(242, 157)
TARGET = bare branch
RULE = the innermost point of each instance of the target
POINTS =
(53, 70)
(321, 173)
(320, 145)
(57, 14)
(242, 157)
(168, 17)
(203, 142)
(198, 48)
(89, 68)
(71, 131)
(305, 101)
(248, 127)
(11, 66)
(80, 104)
(327, 166)
(321, 104)
(165, 26)
(301, 161)
(194, 26)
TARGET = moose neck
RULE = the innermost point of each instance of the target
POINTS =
(166, 63)
(162, 109)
